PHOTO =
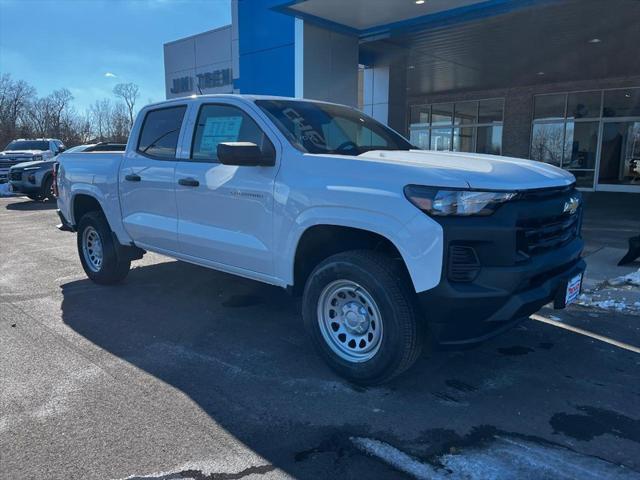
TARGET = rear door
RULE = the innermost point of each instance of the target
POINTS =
(225, 212)
(147, 185)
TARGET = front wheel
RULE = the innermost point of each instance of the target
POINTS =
(103, 259)
(47, 192)
(359, 309)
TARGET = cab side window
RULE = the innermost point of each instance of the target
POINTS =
(225, 123)
(160, 131)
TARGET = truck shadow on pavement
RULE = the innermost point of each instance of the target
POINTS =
(25, 206)
(237, 348)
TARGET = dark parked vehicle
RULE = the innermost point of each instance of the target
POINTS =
(36, 179)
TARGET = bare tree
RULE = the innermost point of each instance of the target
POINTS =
(129, 92)
(100, 113)
(15, 95)
(24, 114)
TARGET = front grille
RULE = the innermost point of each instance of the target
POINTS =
(545, 193)
(15, 176)
(463, 264)
(10, 163)
(544, 234)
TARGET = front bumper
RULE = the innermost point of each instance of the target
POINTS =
(499, 298)
(510, 282)
(23, 187)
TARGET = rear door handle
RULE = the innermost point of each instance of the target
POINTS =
(132, 177)
(189, 182)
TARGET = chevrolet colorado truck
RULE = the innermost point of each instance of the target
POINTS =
(25, 150)
(393, 249)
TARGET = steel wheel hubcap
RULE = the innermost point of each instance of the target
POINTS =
(350, 321)
(92, 249)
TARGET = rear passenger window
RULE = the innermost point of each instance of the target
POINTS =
(225, 123)
(160, 131)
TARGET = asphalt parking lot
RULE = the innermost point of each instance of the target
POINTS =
(183, 372)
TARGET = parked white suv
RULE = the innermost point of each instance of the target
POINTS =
(393, 248)
(27, 150)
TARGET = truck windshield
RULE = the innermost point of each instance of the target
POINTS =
(28, 145)
(324, 128)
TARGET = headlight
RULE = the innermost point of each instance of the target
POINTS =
(30, 169)
(37, 158)
(441, 202)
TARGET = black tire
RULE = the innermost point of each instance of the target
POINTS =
(115, 263)
(46, 192)
(387, 283)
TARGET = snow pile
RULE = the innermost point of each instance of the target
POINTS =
(632, 278)
(606, 304)
(4, 190)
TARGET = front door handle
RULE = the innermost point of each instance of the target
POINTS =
(189, 182)
(132, 177)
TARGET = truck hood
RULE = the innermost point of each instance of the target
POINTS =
(478, 171)
(37, 163)
(19, 153)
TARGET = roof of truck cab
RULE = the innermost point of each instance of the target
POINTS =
(237, 96)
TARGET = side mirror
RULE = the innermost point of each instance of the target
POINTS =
(245, 154)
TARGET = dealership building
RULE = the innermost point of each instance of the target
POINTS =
(552, 80)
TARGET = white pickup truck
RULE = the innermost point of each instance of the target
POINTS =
(393, 249)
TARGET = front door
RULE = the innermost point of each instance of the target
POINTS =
(147, 181)
(225, 213)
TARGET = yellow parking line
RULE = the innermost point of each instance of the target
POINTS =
(571, 328)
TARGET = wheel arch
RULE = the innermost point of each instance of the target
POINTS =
(85, 200)
(320, 241)
(417, 243)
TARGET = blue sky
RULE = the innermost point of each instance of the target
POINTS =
(77, 43)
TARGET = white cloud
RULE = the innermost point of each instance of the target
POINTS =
(110, 75)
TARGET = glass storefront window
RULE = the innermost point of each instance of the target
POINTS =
(546, 107)
(581, 145)
(584, 104)
(466, 113)
(584, 178)
(491, 111)
(622, 103)
(620, 156)
(572, 140)
(442, 114)
(458, 126)
(463, 139)
(419, 137)
(547, 142)
(441, 139)
(420, 114)
(489, 140)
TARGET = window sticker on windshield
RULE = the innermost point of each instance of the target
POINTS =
(217, 130)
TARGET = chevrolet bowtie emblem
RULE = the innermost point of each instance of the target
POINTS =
(571, 205)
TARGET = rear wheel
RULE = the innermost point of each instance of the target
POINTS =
(360, 312)
(103, 259)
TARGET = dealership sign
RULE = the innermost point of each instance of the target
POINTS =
(214, 79)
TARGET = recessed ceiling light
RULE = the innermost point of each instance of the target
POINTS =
(411, 67)
(627, 95)
(419, 2)
(540, 73)
(595, 40)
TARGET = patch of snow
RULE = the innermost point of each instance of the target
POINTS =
(5, 190)
(503, 458)
(606, 304)
(632, 278)
(396, 458)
